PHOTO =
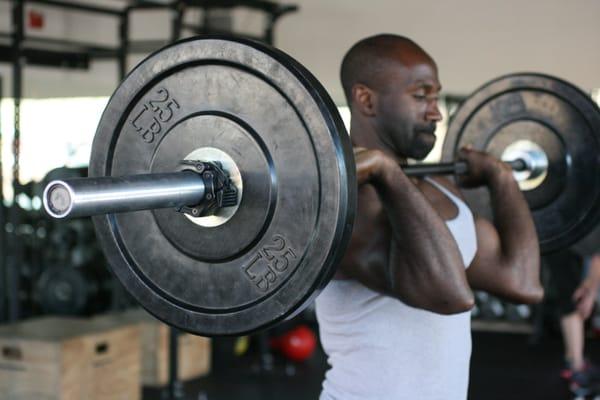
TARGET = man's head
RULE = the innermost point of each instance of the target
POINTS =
(392, 83)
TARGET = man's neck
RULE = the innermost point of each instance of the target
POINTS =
(364, 134)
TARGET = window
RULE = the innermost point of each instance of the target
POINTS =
(54, 133)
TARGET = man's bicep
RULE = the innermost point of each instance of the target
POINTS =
(486, 272)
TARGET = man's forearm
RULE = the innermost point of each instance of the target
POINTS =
(514, 223)
(426, 267)
(594, 271)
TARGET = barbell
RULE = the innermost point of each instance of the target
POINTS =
(270, 135)
(222, 182)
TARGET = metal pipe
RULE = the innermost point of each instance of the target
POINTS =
(3, 257)
(104, 195)
(123, 51)
(73, 45)
(178, 10)
(452, 168)
(78, 6)
(14, 245)
(175, 386)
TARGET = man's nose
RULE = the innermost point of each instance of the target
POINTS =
(433, 112)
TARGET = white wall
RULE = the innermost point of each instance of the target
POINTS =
(472, 40)
(100, 79)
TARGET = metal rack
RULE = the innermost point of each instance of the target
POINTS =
(2, 227)
(20, 49)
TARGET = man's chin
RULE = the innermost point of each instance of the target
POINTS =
(421, 152)
(423, 145)
(420, 156)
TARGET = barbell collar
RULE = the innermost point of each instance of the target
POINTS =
(453, 168)
(81, 197)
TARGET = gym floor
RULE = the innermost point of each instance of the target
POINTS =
(503, 366)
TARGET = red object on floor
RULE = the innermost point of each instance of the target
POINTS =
(298, 344)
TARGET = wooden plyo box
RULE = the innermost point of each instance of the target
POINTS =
(194, 351)
(55, 358)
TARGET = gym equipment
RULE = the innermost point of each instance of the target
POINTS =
(555, 129)
(225, 181)
(250, 140)
(69, 290)
(298, 344)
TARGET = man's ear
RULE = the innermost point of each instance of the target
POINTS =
(365, 99)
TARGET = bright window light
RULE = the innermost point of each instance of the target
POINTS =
(54, 133)
(345, 113)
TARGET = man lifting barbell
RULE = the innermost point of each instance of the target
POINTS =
(223, 189)
(417, 251)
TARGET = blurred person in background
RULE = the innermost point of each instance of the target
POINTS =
(576, 280)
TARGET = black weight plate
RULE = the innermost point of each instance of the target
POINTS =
(559, 118)
(271, 116)
(64, 290)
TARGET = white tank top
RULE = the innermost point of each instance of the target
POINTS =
(381, 348)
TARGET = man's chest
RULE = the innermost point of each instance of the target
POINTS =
(371, 209)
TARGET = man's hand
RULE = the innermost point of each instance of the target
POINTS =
(585, 295)
(482, 168)
(372, 164)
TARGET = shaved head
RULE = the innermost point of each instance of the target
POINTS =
(366, 62)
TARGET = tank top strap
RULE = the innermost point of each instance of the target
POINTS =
(462, 226)
(455, 199)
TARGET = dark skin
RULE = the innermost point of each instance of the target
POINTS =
(400, 244)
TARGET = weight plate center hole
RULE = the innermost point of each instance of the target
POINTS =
(534, 157)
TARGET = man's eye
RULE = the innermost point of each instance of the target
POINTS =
(419, 96)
